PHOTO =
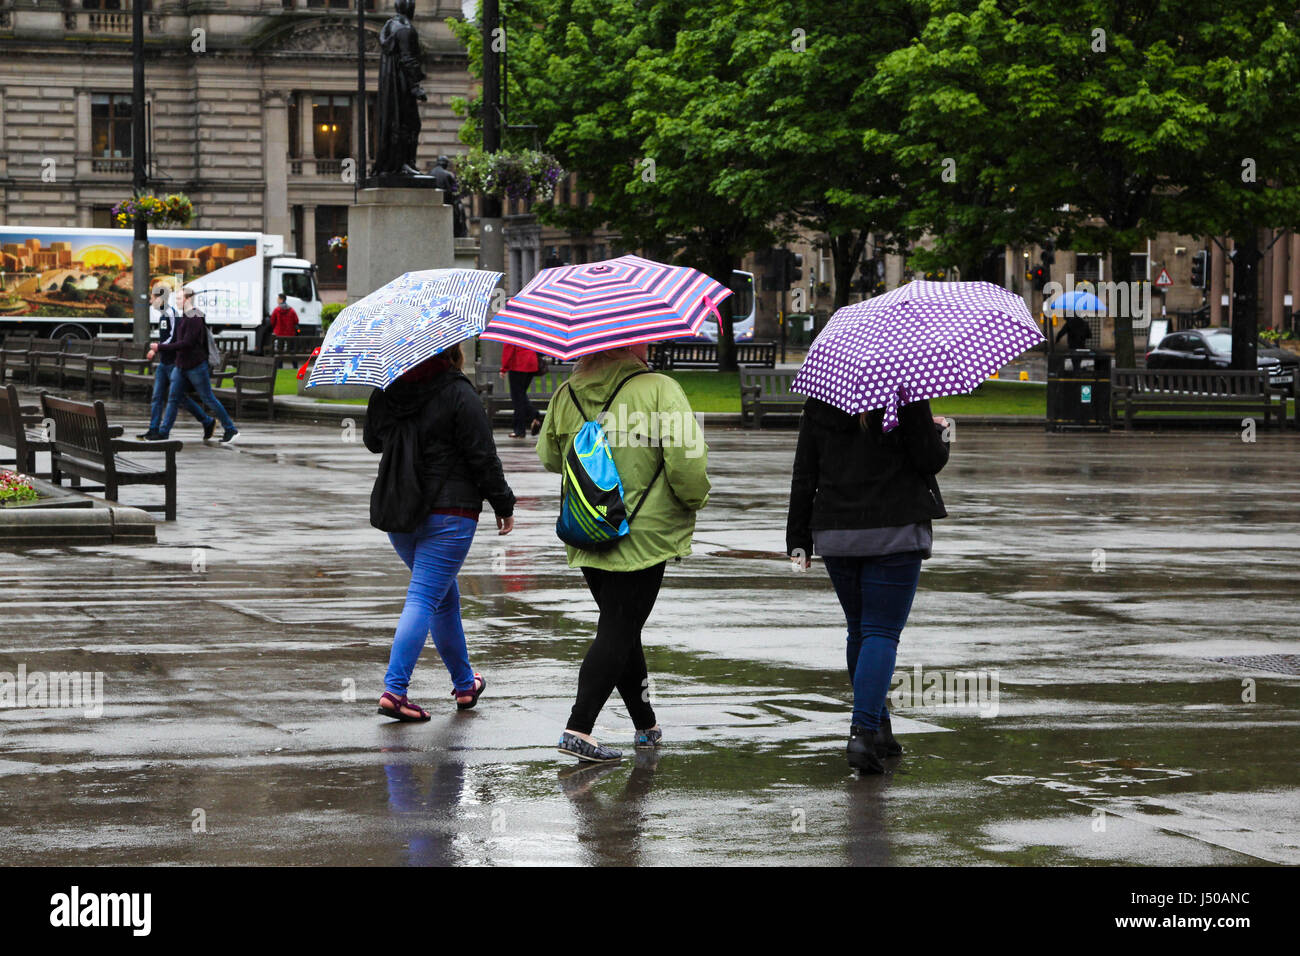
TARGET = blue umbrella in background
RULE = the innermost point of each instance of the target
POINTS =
(1076, 302)
(399, 325)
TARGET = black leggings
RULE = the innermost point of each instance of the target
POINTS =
(615, 658)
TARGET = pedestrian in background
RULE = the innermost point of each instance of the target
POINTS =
(284, 320)
(439, 464)
(189, 345)
(864, 501)
(665, 479)
(162, 374)
(521, 365)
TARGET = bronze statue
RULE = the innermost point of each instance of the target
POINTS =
(398, 111)
(445, 180)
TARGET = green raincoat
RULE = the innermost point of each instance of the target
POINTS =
(647, 407)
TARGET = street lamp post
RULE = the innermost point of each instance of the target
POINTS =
(140, 245)
(492, 248)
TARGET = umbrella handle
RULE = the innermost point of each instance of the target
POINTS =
(302, 372)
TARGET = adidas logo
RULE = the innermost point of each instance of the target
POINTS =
(604, 512)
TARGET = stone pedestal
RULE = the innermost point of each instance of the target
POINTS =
(391, 231)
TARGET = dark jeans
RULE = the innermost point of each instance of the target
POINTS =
(525, 414)
(876, 594)
(199, 378)
(615, 658)
(162, 376)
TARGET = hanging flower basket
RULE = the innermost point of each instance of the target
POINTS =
(528, 174)
(336, 243)
(171, 210)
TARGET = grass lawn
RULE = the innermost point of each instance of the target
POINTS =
(710, 391)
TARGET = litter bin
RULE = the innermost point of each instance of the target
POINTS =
(1078, 391)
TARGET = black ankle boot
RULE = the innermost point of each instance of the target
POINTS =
(886, 745)
(862, 750)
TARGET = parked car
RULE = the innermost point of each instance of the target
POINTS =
(1212, 348)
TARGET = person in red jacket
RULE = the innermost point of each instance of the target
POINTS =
(284, 320)
(521, 365)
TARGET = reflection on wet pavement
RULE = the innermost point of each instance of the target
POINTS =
(1093, 578)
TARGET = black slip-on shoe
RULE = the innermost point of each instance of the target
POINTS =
(862, 750)
(209, 428)
(575, 746)
(229, 435)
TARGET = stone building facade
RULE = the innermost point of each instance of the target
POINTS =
(252, 111)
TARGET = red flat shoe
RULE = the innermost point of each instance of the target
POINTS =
(480, 685)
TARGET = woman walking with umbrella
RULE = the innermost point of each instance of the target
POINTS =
(630, 450)
(439, 460)
(863, 493)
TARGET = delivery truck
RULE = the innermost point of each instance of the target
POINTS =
(77, 282)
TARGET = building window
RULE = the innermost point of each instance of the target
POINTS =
(332, 4)
(110, 125)
(1087, 268)
(331, 124)
(296, 225)
(332, 265)
(295, 126)
(101, 217)
(1137, 267)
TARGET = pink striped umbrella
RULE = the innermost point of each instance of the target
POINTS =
(574, 310)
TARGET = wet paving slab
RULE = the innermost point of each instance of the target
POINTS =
(1111, 601)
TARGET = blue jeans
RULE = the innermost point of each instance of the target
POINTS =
(876, 594)
(201, 380)
(162, 376)
(434, 552)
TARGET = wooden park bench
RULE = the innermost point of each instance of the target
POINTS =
(1204, 394)
(45, 357)
(99, 363)
(664, 356)
(14, 352)
(84, 446)
(131, 369)
(294, 349)
(765, 393)
(231, 347)
(495, 390)
(253, 381)
(19, 430)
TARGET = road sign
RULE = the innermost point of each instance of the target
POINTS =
(1163, 281)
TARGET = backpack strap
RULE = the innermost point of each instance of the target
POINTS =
(646, 494)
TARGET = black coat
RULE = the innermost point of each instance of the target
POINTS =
(847, 476)
(459, 463)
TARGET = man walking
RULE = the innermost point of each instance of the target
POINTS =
(189, 343)
(163, 373)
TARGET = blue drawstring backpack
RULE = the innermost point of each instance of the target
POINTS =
(593, 512)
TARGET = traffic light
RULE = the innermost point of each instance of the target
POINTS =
(1198, 269)
(1049, 252)
(1038, 276)
(794, 268)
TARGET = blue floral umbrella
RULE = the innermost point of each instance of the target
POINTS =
(399, 325)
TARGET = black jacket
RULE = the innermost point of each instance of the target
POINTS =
(459, 459)
(847, 476)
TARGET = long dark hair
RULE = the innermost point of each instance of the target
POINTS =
(426, 370)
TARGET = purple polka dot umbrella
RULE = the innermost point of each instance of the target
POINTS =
(573, 310)
(922, 340)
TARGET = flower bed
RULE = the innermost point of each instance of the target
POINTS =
(16, 489)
